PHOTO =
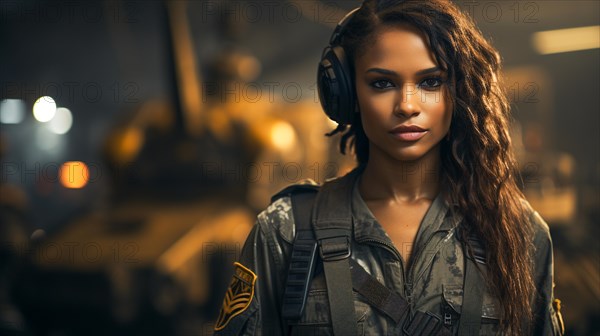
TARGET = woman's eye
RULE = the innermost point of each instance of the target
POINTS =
(431, 83)
(382, 84)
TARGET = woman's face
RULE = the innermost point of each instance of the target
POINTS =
(398, 84)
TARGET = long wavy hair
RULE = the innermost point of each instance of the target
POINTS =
(478, 165)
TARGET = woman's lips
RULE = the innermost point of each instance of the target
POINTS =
(408, 136)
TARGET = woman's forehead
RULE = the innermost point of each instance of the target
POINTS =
(402, 49)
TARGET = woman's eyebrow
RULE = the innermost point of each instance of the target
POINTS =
(390, 72)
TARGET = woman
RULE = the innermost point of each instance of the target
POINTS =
(447, 242)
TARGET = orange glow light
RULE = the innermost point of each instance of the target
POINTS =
(74, 174)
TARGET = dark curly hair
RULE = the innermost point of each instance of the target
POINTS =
(478, 165)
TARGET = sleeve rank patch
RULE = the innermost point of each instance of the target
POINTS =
(238, 295)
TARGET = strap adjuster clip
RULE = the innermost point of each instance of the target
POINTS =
(334, 248)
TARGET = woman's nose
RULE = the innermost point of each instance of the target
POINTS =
(407, 103)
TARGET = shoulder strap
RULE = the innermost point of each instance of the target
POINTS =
(332, 222)
(306, 185)
(470, 314)
(302, 260)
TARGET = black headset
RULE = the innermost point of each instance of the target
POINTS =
(334, 78)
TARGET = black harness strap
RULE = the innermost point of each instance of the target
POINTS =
(341, 299)
(470, 314)
(377, 295)
(394, 306)
(333, 231)
(425, 324)
(302, 259)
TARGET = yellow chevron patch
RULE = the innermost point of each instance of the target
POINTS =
(238, 295)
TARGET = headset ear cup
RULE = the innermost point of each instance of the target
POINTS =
(335, 85)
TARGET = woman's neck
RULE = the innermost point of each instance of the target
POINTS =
(385, 178)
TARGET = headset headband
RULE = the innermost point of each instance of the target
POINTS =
(340, 26)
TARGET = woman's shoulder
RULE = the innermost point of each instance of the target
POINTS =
(541, 230)
(278, 216)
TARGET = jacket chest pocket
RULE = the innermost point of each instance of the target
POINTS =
(452, 307)
(316, 319)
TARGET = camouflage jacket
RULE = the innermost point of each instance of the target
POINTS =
(433, 283)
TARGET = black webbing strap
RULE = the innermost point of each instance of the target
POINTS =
(302, 259)
(470, 314)
(341, 299)
(426, 324)
(394, 306)
(332, 222)
(377, 295)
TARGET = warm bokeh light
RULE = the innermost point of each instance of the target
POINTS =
(12, 111)
(131, 143)
(565, 40)
(44, 109)
(248, 68)
(74, 174)
(62, 121)
(124, 144)
(283, 135)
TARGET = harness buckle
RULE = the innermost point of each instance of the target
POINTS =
(334, 248)
(447, 319)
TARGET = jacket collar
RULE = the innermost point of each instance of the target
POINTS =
(366, 226)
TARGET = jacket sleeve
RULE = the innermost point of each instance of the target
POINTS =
(547, 317)
(251, 305)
